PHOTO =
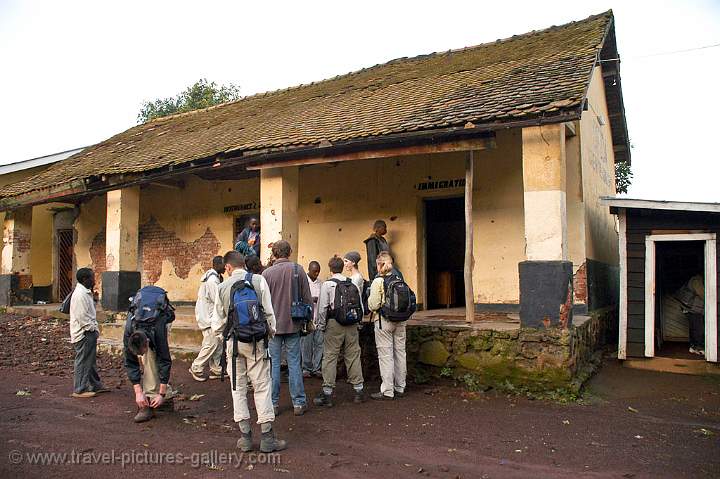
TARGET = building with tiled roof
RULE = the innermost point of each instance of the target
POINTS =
(513, 141)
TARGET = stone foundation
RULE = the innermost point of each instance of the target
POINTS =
(528, 360)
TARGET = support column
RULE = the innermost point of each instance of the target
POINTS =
(279, 208)
(15, 277)
(121, 280)
(546, 287)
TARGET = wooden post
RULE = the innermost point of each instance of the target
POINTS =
(469, 296)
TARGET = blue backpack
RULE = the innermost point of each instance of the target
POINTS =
(148, 305)
(245, 312)
(246, 322)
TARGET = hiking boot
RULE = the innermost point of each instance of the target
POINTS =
(269, 443)
(144, 414)
(276, 410)
(307, 374)
(399, 394)
(300, 410)
(85, 394)
(213, 375)
(196, 376)
(323, 399)
(245, 442)
(359, 397)
(381, 397)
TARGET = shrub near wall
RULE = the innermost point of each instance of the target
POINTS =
(539, 362)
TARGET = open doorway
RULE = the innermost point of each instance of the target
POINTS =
(680, 285)
(64, 267)
(681, 296)
(445, 252)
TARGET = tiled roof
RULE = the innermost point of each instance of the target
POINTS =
(542, 73)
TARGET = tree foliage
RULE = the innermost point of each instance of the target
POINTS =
(200, 95)
(623, 176)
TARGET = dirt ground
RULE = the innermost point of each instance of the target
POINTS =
(630, 424)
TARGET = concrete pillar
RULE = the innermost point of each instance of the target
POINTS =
(15, 274)
(546, 277)
(279, 208)
(121, 280)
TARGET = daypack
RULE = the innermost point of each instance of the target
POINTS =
(400, 301)
(347, 307)
(299, 310)
(246, 322)
(245, 312)
(65, 305)
(148, 305)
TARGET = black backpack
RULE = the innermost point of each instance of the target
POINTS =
(347, 307)
(400, 301)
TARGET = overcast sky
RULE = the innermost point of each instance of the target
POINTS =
(75, 73)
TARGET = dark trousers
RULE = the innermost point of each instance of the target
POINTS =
(86, 375)
(697, 330)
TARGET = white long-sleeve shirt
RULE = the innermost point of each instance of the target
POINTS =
(205, 304)
(315, 293)
(82, 313)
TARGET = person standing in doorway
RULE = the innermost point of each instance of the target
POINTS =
(389, 336)
(251, 235)
(376, 244)
(282, 277)
(210, 349)
(84, 335)
(312, 343)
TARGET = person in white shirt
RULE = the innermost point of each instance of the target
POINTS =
(84, 336)
(312, 344)
(211, 348)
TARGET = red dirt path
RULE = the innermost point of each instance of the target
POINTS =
(672, 430)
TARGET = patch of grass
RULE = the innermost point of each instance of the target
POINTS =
(446, 372)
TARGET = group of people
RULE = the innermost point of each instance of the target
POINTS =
(254, 318)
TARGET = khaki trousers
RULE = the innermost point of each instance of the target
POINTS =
(390, 343)
(210, 353)
(150, 377)
(336, 336)
(255, 367)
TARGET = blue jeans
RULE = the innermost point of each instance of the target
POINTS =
(295, 378)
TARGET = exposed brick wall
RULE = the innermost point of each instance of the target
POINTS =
(580, 284)
(97, 255)
(158, 244)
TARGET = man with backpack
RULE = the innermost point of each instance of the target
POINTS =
(244, 313)
(292, 303)
(146, 336)
(393, 302)
(339, 312)
(210, 349)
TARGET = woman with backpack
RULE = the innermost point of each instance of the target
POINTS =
(389, 318)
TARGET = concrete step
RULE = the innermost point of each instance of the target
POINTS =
(673, 365)
(181, 335)
(115, 347)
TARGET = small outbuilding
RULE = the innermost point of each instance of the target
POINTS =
(668, 278)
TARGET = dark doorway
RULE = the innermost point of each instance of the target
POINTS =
(445, 252)
(241, 222)
(64, 263)
(679, 276)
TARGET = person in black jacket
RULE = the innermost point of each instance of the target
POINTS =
(376, 244)
(151, 384)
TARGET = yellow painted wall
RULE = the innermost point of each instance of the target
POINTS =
(339, 203)
(188, 213)
(598, 175)
(90, 222)
(575, 201)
